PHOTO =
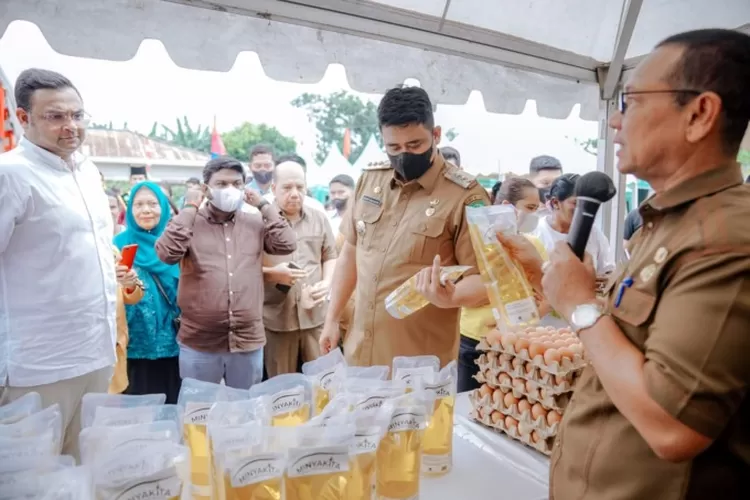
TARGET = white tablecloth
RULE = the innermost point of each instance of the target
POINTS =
(487, 464)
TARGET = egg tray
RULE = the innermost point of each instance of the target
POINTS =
(535, 395)
(487, 361)
(564, 367)
(542, 446)
(525, 420)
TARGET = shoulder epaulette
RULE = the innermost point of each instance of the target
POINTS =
(460, 177)
(379, 165)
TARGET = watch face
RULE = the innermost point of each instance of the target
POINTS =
(585, 315)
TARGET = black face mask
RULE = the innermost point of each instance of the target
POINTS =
(339, 204)
(263, 177)
(412, 166)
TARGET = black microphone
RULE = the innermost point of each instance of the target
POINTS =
(591, 191)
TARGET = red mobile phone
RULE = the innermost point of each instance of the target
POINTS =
(128, 255)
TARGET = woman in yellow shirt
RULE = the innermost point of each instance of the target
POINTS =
(477, 322)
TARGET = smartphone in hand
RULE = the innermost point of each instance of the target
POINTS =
(286, 288)
(127, 255)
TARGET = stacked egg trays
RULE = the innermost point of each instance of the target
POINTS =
(527, 378)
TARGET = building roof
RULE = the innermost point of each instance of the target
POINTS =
(127, 144)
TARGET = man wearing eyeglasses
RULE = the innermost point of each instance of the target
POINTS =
(662, 410)
(57, 275)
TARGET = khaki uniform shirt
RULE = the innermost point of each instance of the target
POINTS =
(688, 311)
(397, 230)
(315, 246)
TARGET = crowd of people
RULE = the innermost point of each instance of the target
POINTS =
(247, 276)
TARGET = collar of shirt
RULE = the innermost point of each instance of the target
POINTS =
(302, 214)
(705, 184)
(51, 159)
(428, 179)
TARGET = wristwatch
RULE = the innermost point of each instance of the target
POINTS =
(262, 204)
(585, 316)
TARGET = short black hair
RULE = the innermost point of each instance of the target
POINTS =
(403, 106)
(563, 187)
(33, 79)
(716, 60)
(512, 190)
(193, 180)
(261, 149)
(344, 180)
(544, 162)
(292, 157)
(495, 188)
(220, 163)
(451, 154)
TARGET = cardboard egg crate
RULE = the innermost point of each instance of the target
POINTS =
(526, 422)
(492, 365)
(564, 367)
(484, 415)
(526, 389)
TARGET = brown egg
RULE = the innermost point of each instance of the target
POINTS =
(544, 338)
(510, 423)
(536, 349)
(509, 400)
(553, 417)
(535, 437)
(530, 387)
(552, 356)
(516, 363)
(529, 369)
(577, 349)
(485, 391)
(560, 379)
(496, 417)
(519, 385)
(538, 411)
(521, 344)
(523, 406)
(541, 329)
(504, 379)
(559, 343)
(508, 340)
(497, 398)
(567, 352)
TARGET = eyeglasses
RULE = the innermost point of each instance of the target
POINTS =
(59, 119)
(623, 104)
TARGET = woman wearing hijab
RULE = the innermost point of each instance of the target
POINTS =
(153, 366)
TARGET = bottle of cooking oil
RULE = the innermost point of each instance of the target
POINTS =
(406, 300)
(510, 293)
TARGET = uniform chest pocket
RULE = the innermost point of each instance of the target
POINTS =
(430, 238)
(365, 223)
(633, 312)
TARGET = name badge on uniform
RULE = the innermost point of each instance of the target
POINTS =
(372, 200)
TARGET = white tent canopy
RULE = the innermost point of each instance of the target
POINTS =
(334, 164)
(558, 53)
(370, 154)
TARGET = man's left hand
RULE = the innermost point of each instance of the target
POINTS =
(567, 281)
(428, 284)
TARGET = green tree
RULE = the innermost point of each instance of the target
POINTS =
(183, 135)
(240, 140)
(333, 114)
(589, 145)
(451, 134)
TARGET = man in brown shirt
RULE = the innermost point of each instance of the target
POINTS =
(407, 216)
(662, 411)
(294, 318)
(220, 250)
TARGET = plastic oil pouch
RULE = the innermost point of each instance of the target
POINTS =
(107, 416)
(357, 372)
(254, 469)
(28, 471)
(406, 300)
(370, 427)
(366, 394)
(29, 403)
(412, 369)
(291, 398)
(511, 295)
(195, 400)
(437, 444)
(399, 455)
(321, 372)
(49, 419)
(96, 442)
(63, 483)
(17, 453)
(93, 401)
(318, 464)
(159, 471)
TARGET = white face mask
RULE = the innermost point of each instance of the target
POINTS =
(527, 221)
(227, 199)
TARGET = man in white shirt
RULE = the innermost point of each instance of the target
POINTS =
(340, 190)
(57, 271)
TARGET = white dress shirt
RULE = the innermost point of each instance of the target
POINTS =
(57, 270)
(597, 246)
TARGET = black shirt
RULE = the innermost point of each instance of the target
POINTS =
(633, 223)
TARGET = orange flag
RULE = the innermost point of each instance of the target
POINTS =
(347, 150)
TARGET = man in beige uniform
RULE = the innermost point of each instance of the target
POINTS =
(405, 215)
(293, 320)
(662, 412)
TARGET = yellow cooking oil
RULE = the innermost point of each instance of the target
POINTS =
(196, 438)
(362, 478)
(318, 474)
(406, 300)
(399, 456)
(254, 478)
(289, 408)
(437, 444)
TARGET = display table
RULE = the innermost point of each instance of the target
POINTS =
(487, 464)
